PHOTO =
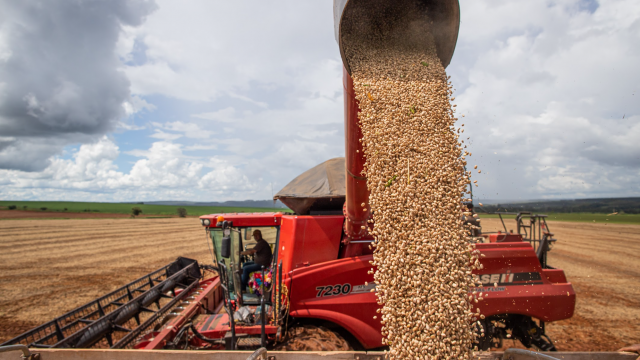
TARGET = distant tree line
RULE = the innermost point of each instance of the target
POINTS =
(605, 206)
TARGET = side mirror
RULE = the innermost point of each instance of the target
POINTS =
(247, 233)
(225, 248)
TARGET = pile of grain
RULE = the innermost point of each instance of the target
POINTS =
(416, 177)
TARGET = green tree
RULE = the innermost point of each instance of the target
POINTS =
(182, 212)
(135, 211)
(12, 207)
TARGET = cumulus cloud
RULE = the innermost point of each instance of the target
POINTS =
(224, 115)
(276, 95)
(549, 90)
(279, 144)
(159, 134)
(59, 76)
(202, 51)
(188, 129)
(163, 172)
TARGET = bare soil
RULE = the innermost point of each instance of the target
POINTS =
(601, 261)
(50, 267)
(313, 338)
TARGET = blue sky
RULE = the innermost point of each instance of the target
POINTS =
(157, 100)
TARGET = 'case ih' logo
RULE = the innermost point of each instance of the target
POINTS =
(511, 278)
(496, 278)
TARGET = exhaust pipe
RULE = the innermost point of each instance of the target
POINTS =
(355, 19)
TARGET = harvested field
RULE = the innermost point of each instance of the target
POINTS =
(602, 263)
(50, 266)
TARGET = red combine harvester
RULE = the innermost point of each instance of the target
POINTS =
(319, 275)
(325, 274)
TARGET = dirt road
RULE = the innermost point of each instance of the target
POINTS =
(48, 267)
(602, 263)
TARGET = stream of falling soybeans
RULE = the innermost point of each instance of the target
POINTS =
(415, 169)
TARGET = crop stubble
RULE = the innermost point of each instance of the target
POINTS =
(35, 286)
(48, 267)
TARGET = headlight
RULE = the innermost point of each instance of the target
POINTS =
(206, 222)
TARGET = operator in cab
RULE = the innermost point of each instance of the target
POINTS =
(262, 257)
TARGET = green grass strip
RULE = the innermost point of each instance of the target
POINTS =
(125, 208)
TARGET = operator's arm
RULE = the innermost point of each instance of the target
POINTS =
(255, 249)
(260, 245)
(249, 252)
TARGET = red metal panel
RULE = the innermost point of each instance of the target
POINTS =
(308, 240)
(504, 237)
(355, 249)
(321, 239)
(516, 284)
(290, 244)
(547, 302)
(351, 305)
(217, 325)
(247, 219)
(517, 257)
(356, 187)
(555, 275)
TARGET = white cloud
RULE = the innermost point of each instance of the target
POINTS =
(224, 115)
(164, 172)
(159, 134)
(163, 167)
(261, 104)
(137, 153)
(546, 85)
(60, 79)
(282, 88)
(549, 90)
(226, 178)
(129, 127)
(190, 130)
(200, 52)
(200, 147)
(135, 104)
(317, 134)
